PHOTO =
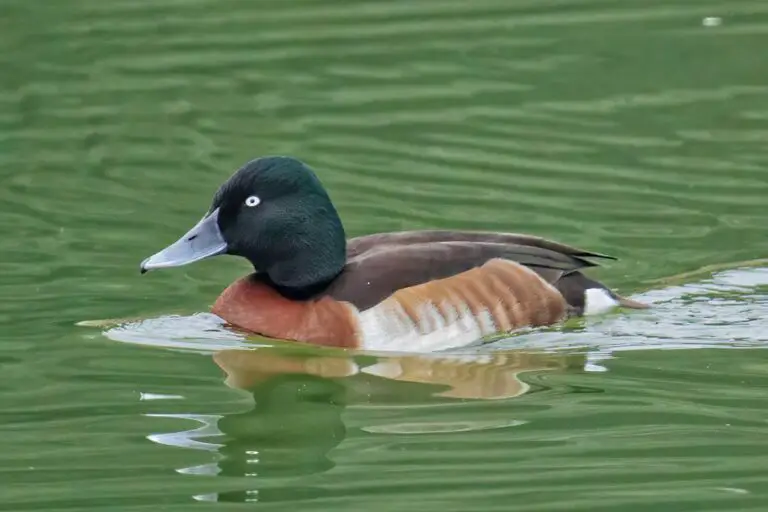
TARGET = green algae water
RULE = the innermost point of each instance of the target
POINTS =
(637, 129)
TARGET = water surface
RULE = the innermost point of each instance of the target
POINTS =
(624, 127)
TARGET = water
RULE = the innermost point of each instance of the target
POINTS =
(632, 128)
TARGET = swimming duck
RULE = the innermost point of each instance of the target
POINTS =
(401, 291)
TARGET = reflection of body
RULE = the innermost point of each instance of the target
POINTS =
(412, 291)
(472, 376)
(299, 397)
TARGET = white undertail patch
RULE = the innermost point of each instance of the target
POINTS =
(598, 301)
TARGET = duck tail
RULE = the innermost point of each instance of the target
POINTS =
(632, 304)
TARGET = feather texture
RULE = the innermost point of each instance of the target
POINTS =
(499, 296)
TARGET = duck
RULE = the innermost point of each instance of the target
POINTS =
(406, 291)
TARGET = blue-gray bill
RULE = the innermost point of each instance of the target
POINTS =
(204, 240)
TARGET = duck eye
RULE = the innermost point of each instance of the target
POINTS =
(252, 201)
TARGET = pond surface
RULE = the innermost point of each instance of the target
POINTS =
(638, 129)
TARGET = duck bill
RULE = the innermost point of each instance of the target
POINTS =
(202, 241)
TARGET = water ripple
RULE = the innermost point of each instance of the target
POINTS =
(630, 128)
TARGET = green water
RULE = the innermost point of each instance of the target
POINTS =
(626, 127)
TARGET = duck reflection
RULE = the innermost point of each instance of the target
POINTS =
(487, 376)
(296, 418)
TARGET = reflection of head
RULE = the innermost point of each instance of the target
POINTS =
(295, 422)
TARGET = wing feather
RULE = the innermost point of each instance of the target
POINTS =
(372, 275)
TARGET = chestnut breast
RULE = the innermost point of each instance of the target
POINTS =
(250, 304)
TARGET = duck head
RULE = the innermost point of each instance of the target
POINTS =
(274, 212)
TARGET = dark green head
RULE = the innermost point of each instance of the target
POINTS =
(274, 212)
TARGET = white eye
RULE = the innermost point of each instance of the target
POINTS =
(252, 201)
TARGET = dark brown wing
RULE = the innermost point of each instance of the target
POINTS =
(379, 265)
(359, 245)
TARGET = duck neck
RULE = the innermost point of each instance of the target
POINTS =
(311, 263)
